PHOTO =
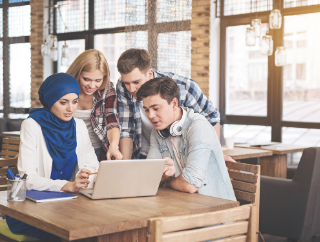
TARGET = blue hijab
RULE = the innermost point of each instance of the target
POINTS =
(60, 136)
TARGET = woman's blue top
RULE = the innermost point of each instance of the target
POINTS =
(66, 172)
(19, 227)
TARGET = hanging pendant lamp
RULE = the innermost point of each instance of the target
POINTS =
(266, 45)
(280, 56)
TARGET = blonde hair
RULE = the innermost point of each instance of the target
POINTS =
(91, 60)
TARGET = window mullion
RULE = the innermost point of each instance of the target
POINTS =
(6, 60)
(152, 32)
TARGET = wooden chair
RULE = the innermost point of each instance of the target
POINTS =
(245, 179)
(235, 224)
(6, 164)
(10, 147)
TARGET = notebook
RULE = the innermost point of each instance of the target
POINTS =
(46, 196)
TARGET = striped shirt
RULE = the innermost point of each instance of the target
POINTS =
(104, 116)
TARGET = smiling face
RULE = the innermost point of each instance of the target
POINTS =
(65, 107)
(160, 112)
(135, 79)
(90, 81)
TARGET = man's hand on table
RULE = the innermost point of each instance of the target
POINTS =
(169, 169)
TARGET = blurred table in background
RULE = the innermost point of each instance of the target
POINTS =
(11, 133)
(245, 153)
(276, 165)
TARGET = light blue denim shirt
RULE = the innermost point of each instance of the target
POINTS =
(201, 156)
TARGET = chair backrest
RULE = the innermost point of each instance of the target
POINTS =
(308, 191)
(6, 164)
(245, 179)
(235, 222)
(10, 147)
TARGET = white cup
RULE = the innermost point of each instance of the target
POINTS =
(229, 143)
(92, 178)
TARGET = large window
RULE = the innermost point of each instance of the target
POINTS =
(15, 53)
(301, 89)
(246, 75)
(162, 27)
(259, 99)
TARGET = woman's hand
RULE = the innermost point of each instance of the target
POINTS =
(114, 152)
(169, 169)
(81, 181)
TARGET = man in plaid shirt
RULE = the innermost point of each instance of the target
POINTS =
(134, 66)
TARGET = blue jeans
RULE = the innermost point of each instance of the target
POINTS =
(19, 227)
(97, 151)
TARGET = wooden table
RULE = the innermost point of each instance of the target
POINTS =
(110, 219)
(11, 133)
(245, 153)
(276, 165)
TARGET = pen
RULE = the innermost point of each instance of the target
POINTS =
(24, 177)
(92, 173)
(10, 174)
(15, 183)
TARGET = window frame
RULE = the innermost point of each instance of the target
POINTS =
(6, 42)
(151, 26)
(275, 82)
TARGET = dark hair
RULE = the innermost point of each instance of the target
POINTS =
(165, 86)
(134, 58)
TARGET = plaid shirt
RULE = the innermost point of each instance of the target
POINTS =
(104, 116)
(191, 96)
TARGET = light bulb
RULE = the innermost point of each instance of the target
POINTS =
(275, 19)
(251, 36)
(280, 56)
(256, 23)
(54, 53)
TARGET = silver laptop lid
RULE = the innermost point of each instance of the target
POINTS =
(128, 178)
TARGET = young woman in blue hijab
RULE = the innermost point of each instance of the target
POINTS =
(55, 148)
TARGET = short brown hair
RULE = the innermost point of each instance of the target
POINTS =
(91, 60)
(134, 58)
(165, 86)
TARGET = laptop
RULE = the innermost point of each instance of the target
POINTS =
(127, 178)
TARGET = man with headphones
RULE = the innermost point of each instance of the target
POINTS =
(134, 66)
(186, 139)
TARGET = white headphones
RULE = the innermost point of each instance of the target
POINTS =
(175, 128)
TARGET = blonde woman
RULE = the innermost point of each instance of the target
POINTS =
(97, 103)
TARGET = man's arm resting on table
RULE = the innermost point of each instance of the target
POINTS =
(180, 184)
(126, 147)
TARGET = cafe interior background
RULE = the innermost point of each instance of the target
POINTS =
(265, 84)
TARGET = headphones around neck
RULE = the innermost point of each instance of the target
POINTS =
(175, 128)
